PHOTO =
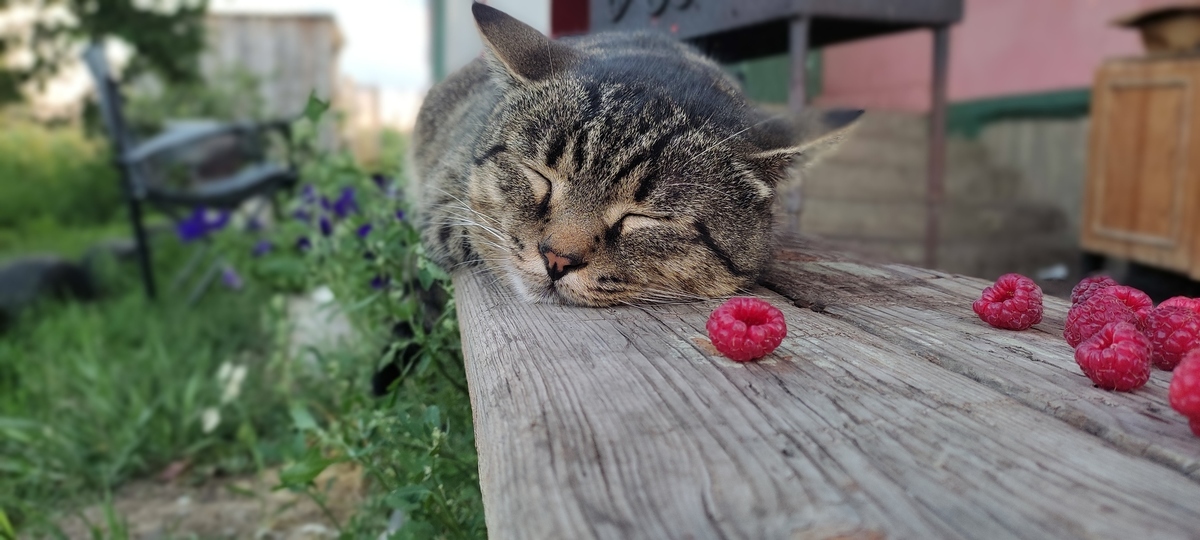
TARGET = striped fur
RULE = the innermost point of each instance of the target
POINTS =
(631, 155)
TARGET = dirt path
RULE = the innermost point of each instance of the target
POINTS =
(244, 507)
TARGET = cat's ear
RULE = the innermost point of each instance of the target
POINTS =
(523, 51)
(809, 136)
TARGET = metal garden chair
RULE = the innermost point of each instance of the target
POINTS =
(167, 170)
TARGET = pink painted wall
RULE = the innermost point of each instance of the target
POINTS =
(1001, 47)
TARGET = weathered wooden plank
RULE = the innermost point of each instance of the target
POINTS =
(622, 423)
(930, 316)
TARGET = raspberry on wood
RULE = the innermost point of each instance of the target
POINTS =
(1174, 331)
(1088, 317)
(1088, 286)
(746, 328)
(1116, 358)
(1013, 302)
(1184, 392)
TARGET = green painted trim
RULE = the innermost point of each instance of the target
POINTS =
(768, 79)
(437, 46)
(815, 81)
(968, 118)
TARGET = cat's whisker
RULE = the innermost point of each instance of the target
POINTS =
(463, 204)
(469, 220)
(727, 139)
(473, 262)
(474, 213)
(468, 223)
(675, 294)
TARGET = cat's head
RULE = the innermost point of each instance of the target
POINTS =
(623, 168)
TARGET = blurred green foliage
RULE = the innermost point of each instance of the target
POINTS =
(166, 36)
(53, 179)
(231, 94)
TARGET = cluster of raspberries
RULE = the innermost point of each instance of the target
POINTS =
(1117, 332)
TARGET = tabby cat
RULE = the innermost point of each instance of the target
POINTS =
(614, 168)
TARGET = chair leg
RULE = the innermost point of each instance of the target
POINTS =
(143, 247)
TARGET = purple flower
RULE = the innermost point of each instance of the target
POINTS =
(192, 227)
(253, 224)
(263, 247)
(364, 230)
(200, 223)
(309, 194)
(231, 278)
(302, 215)
(345, 204)
(325, 204)
(380, 281)
(326, 226)
(400, 215)
(303, 244)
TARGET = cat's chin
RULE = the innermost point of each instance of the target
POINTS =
(550, 293)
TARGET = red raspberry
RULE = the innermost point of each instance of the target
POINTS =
(1184, 392)
(746, 328)
(1182, 301)
(1116, 358)
(1014, 302)
(1138, 301)
(1088, 286)
(1088, 317)
(1173, 331)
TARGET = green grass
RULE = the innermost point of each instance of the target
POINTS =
(93, 394)
(56, 174)
(58, 190)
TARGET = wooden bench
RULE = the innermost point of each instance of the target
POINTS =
(890, 411)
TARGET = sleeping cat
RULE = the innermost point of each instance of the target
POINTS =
(607, 169)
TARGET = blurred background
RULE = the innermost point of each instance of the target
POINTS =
(157, 254)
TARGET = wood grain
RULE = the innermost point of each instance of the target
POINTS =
(876, 418)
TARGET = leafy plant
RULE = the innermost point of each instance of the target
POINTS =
(416, 444)
(229, 94)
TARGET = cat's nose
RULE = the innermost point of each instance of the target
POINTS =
(558, 265)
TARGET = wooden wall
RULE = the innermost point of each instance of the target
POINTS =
(292, 54)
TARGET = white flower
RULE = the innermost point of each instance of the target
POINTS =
(224, 371)
(233, 384)
(322, 295)
(210, 419)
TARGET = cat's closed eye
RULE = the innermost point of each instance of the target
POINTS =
(633, 221)
(540, 184)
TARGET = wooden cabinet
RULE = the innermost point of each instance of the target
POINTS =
(1142, 195)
